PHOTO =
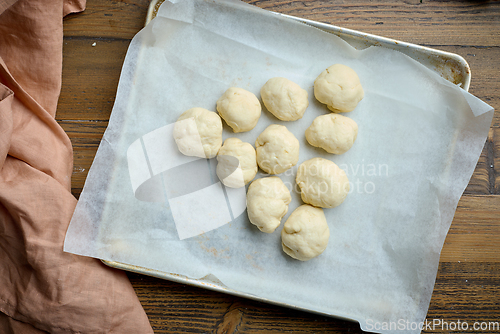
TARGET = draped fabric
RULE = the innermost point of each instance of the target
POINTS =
(41, 287)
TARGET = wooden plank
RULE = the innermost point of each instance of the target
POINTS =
(466, 291)
(85, 137)
(479, 183)
(495, 158)
(484, 76)
(90, 78)
(484, 85)
(490, 162)
(460, 23)
(484, 73)
(426, 22)
(107, 19)
(474, 235)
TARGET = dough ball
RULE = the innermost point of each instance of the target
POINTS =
(239, 108)
(322, 183)
(277, 149)
(305, 233)
(339, 88)
(334, 133)
(198, 133)
(286, 100)
(236, 163)
(267, 203)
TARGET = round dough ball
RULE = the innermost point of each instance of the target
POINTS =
(198, 132)
(277, 149)
(236, 163)
(334, 133)
(239, 108)
(267, 203)
(305, 233)
(286, 100)
(322, 183)
(339, 88)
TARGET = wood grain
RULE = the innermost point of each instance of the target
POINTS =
(464, 23)
(474, 235)
(468, 279)
(89, 87)
(107, 20)
(85, 137)
(494, 158)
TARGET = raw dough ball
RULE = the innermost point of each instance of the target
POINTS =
(322, 183)
(277, 149)
(239, 108)
(198, 133)
(305, 233)
(334, 133)
(286, 100)
(339, 88)
(236, 163)
(267, 203)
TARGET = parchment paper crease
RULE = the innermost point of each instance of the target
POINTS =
(419, 141)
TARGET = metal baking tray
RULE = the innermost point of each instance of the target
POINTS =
(450, 66)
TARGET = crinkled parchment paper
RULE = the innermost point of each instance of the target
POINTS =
(419, 141)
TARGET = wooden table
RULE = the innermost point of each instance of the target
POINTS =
(468, 282)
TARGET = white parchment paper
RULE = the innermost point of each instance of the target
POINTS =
(419, 141)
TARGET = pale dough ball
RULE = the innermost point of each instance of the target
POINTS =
(198, 132)
(339, 88)
(334, 133)
(277, 149)
(267, 203)
(305, 233)
(286, 100)
(322, 183)
(239, 108)
(236, 163)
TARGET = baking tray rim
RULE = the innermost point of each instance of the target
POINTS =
(210, 282)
